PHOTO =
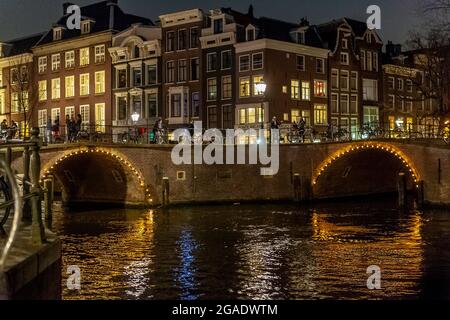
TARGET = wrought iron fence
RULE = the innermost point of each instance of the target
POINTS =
(22, 195)
(289, 134)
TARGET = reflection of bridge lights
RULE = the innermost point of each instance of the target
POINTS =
(368, 145)
(120, 159)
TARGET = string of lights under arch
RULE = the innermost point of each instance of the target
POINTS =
(48, 169)
(409, 165)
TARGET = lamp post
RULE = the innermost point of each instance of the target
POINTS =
(261, 88)
(135, 117)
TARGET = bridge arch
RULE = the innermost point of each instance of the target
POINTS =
(98, 175)
(387, 160)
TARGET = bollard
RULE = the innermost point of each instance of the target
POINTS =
(38, 236)
(401, 186)
(26, 181)
(166, 192)
(297, 188)
(48, 198)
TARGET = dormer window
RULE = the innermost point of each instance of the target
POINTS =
(301, 37)
(86, 26)
(57, 33)
(251, 33)
(218, 26)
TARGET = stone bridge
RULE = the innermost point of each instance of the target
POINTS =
(140, 175)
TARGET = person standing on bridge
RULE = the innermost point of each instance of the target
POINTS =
(48, 130)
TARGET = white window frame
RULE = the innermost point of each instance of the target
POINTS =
(69, 58)
(84, 59)
(100, 86)
(56, 62)
(253, 60)
(249, 63)
(42, 89)
(56, 88)
(100, 53)
(84, 76)
(70, 94)
(42, 64)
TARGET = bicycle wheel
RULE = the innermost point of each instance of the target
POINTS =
(5, 196)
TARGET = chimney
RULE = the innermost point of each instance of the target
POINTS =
(112, 4)
(304, 22)
(251, 11)
(393, 50)
(66, 5)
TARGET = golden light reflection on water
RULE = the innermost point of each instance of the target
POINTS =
(253, 252)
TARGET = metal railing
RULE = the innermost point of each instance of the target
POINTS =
(25, 201)
(288, 134)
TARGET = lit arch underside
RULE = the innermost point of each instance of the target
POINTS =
(408, 164)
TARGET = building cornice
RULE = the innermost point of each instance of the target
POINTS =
(182, 17)
(281, 46)
(218, 40)
(73, 43)
(16, 60)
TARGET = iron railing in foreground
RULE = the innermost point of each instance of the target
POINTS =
(288, 134)
(26, 201)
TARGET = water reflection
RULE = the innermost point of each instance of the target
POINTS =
(256, 252)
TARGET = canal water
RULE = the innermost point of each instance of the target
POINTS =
(267, 251)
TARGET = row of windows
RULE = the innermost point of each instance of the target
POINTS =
(344, 104)
(225, 62)
(346, 79)
(251, 62)
(369, 60)
(136, 76)
(71, 111)
(177, 71)
(69, 59)
(304, 92)
(400, 84)
(136, 106)
(227, 88)
(178, 104)
(182, 39)
(69, 87)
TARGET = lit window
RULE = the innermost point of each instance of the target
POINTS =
(43, 90)
(306, 91)
(56, 88)
(100, 119)
(42, 62)
(251, 115)
(70, 86)
(100, 82)
(295, 115)
(70, 59)
(320, 115)
(85, 115)
(84, 84)
(320, 88)
(256, 81)
(244, 87)
(295, 90)
(56, 62)
(84, 57)
(212, 89)
(99, 54)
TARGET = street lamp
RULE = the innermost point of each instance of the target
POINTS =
(135, 117)
(261, 88)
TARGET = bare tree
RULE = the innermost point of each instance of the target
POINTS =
(24, 91)
(438, 11)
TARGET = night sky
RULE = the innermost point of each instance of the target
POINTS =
(24, 17)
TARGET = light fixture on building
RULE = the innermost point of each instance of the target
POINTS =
(261, 87)
(135, 117)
